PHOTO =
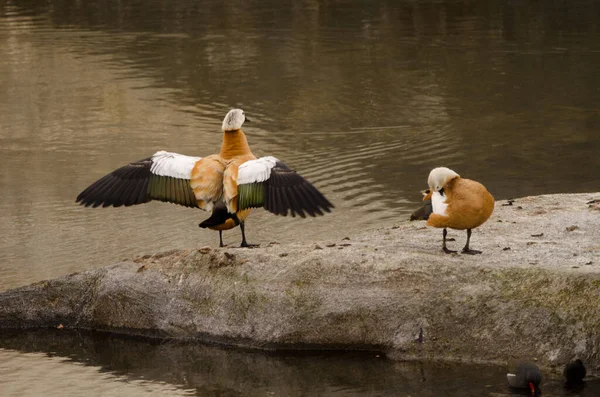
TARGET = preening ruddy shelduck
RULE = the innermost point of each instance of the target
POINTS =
(229, 183)
(457, 203)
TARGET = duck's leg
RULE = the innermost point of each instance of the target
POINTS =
(244, 242)
(466, 249)
(444, 248)
(221, 239)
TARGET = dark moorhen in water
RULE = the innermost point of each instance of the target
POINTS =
(574, 372)
(526, 375)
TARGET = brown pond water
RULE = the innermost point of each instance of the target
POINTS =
(361, 97)
(71, 363)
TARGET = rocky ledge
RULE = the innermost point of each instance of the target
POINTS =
(535, 291)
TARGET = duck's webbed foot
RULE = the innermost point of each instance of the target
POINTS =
(246, 245)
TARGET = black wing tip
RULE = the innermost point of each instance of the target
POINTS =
(303, 200)
(319, 202)
(313, 210)
(83, 201)
(318, 211)
(95, 203)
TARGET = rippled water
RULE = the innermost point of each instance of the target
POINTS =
(361, 97)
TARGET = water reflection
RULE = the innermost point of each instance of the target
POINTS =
(213, 371)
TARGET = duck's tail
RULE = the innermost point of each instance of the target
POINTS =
(219, 216)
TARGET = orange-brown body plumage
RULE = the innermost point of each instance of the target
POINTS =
(214, 177)
(469, 205)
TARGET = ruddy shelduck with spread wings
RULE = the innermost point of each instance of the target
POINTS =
(457, 203)
(228, 184)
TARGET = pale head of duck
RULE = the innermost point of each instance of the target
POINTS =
(234, 119)
(439, 177)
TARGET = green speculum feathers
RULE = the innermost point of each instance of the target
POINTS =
(174, 190)
(251, 195)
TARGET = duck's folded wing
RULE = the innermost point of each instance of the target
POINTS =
(422, 214)
(269, 183)
(165, 176)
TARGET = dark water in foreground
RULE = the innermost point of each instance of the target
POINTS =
(108, 365)
(361, 97)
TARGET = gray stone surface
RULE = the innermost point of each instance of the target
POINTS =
(534, 292)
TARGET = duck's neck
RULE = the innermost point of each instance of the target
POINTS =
(234, 144)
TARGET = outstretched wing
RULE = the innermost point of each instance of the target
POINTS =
(267, 182)
(164, 176)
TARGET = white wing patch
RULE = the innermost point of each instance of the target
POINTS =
(258, 170)
(173, 164)
(438, 202)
